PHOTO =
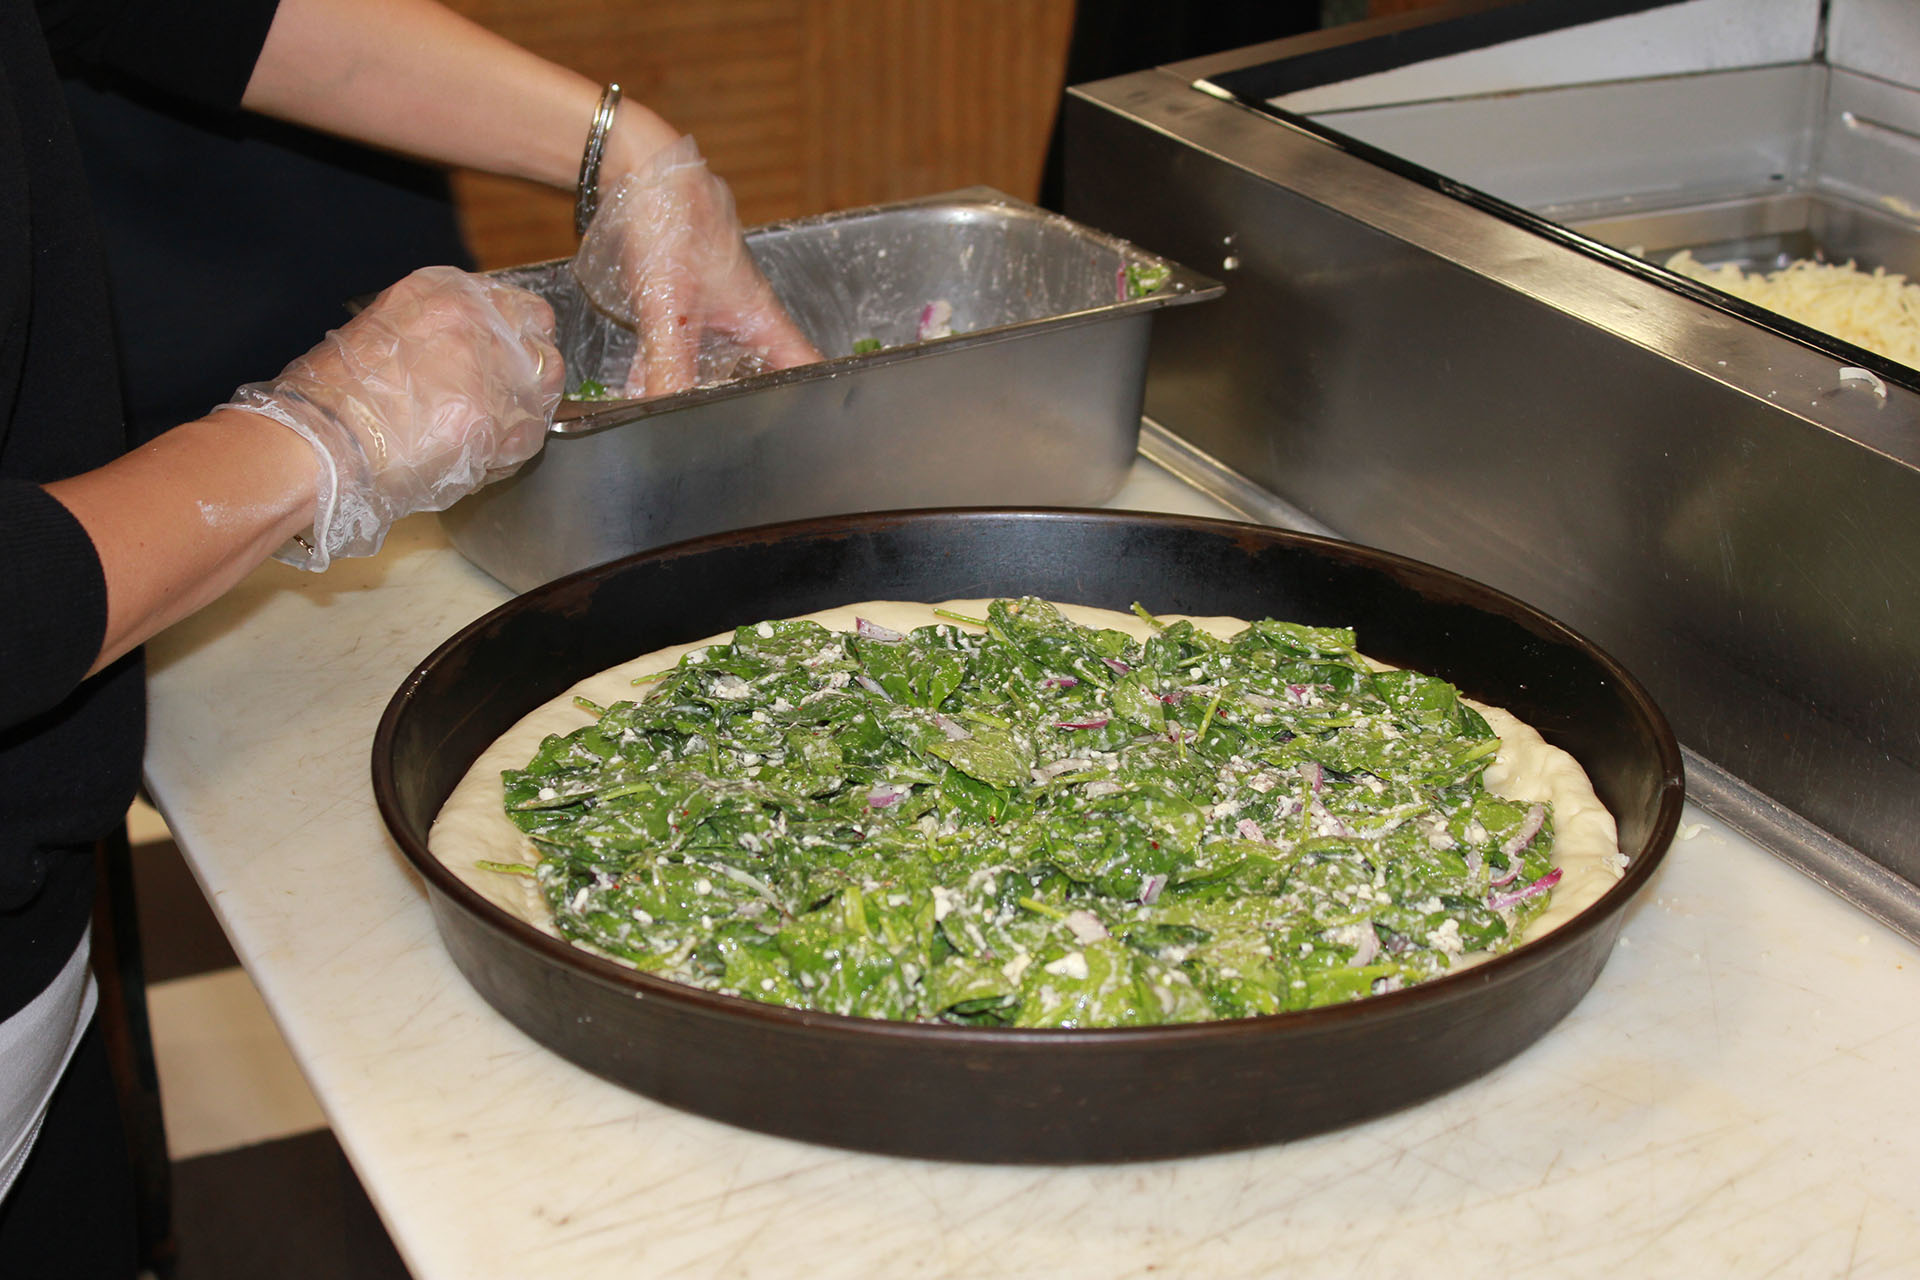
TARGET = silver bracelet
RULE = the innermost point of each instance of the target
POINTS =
(587, 196)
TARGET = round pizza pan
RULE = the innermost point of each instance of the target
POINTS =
(1036, 1096)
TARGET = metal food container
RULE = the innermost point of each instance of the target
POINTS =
(1449, 333)
(1034, 398)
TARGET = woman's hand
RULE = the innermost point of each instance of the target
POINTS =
(666, 255)
(447, 381)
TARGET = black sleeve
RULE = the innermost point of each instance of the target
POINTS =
(56, 594)
(200, 50)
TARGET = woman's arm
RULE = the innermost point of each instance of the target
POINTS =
(412, 76)
(179, 521)
(445, 381)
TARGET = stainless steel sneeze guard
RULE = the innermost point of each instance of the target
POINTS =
(1700, 492)
(1034, 398)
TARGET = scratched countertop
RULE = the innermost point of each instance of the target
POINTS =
(1736, 1095)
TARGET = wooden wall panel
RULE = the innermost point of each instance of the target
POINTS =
(804, 106)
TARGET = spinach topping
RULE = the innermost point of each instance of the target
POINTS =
(589, 389)
(1023, 821)
(1143, 279)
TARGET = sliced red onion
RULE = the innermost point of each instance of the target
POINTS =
(936, 320)
(1260, 701)
(1528, 829)
(1085, 926)
(1101, 723)
(1058, 682)
(874, 631)
(1248, 829)
(1120, 285)
(1368, 948)
(1315, 775)
(886, 794)
(1324, 817)
(1506, 877)
(951, 728)
(872, 686)
(1150, 887)
(1117, 665)
(1501, 901)
(1474, 863)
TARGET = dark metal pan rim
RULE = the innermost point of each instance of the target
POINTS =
(615, 975)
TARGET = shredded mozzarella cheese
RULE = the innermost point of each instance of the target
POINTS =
(1878, 310)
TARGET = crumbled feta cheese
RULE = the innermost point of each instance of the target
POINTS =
(1071, 965)
(1085, 926)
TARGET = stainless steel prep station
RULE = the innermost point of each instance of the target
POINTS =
(1437, 338)
(979, 350)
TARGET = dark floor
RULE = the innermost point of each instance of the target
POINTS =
(179, 936)
(287, 1209)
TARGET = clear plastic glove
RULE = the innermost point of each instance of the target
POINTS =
(447, 381)
(666, 256)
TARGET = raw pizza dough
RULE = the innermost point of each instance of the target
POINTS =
(473, 826)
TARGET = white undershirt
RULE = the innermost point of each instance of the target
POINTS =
(35, 1045)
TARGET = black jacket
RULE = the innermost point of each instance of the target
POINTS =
(69, 747)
